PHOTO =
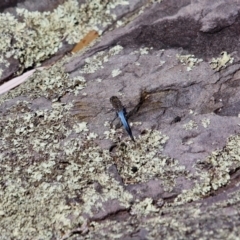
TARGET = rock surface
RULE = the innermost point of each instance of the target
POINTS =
(176, 69)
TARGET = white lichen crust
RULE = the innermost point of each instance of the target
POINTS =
(39, 35)
(146, 156)
(55, 177)
(189, 60)
(221, 62)
(216, 173)
(50, 162)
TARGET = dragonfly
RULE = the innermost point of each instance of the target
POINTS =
(122, 114)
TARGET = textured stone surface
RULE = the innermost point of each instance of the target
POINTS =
(179, 179)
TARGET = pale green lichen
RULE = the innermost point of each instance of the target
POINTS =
(40, 34)
(142, 51)
(116, 72)
(171, 223)
(49, 161)
(60, 165)
(217, 174)
(99, 80)
(221, 62)
(189, 60)
(50, 83)
(189, 142)
(146, 157)
(205, 122)
(161, 63)
(80, 127)
(94, 63)
(192, 112)
(3, 62)
(63, 159)
(144, 207)
(190, 125)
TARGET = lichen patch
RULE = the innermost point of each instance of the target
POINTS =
(221, 62)
(40, 34)
(94, 63)
(189, 60)
(50, 83)
(47, 172)
(190, 125)
(214, 172)
(143, 160)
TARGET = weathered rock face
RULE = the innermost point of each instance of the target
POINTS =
(9, 3)
(204, 100)
(179, 179)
